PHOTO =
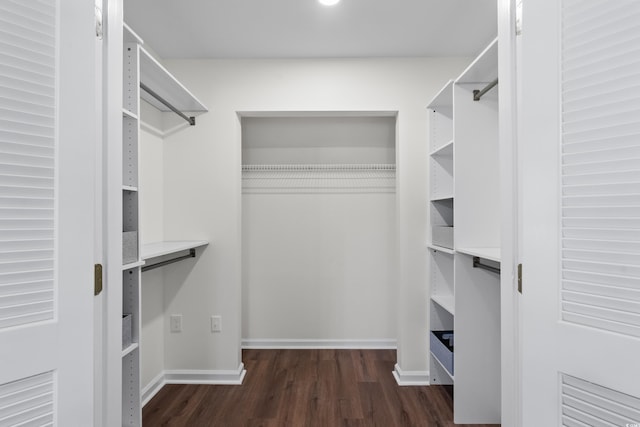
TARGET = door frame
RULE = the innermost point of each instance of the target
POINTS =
(511, 386)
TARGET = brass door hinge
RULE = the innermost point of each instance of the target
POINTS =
(520, 278)
(97, 279)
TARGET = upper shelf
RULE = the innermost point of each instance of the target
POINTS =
(484, 68)
(444, 98)
(157, 249)
(162, 82)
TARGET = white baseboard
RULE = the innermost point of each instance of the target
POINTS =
(189, 376)
(410, 378)
(152, 388)
(231, 377)
(305, 344)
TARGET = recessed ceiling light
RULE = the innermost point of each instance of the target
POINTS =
(329, 2)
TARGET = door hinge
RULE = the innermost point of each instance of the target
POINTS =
(99, 28)
(520, 278)
(97, 279)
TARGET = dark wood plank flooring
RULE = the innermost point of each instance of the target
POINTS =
(305, 388)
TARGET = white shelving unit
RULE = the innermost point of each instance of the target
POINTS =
(131, 273)
(441, 197)
(465, 278)
(141, 70)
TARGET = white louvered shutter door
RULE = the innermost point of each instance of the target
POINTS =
(580, 152)
(27, 162)
(47, 150)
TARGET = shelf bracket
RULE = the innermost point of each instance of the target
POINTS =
(192, 254)
(191, 120)
(478, 264)
(477, 94)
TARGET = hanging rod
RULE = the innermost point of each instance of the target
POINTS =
(477, 94)
(192, 254)
(478, 264)
(191, 120)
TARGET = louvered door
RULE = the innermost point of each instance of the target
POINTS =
(580, 153)
(47, 155)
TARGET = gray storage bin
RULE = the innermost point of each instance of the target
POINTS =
(442, 348)
(126, 330)
(129, 247)
(442, 236)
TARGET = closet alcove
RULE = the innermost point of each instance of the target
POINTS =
(318, 229)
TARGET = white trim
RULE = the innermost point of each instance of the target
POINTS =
(151, 389)
(191, 376)
(410, 378)
(308, 344)
(217, 377)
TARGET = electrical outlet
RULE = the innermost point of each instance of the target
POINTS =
(216, 323)
(175, 323)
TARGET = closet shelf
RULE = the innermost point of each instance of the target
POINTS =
(130, 349)
(492, 254)
(155, 77)
(439, 198)
(442, 366)
(166, 248)
(484, 69)
(130, 114)
(129, 188)
(441, 249)
(324, 178)
(318, 167)
(445, 150)
(444, 98)
(130, 36)
(158, 249)
(132, 265)
(445, 301)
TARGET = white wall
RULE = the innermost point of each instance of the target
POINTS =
(151, 184)
(319, 267)
(202, 195)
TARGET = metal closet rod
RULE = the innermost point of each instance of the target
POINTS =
(478, 264)
(192, 254)
(191, 120)
(477, 94)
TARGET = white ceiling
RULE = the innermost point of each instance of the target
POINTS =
(306, 29)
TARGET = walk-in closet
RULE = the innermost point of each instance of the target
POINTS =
(318, 213)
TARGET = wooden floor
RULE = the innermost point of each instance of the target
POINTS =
(305, 388)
